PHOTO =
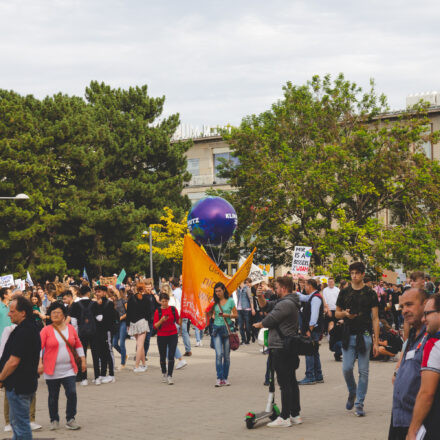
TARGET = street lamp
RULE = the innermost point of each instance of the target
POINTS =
(149, 233)
(17, 197)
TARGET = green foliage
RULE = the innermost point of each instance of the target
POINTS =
(323, 166)
(98, 172)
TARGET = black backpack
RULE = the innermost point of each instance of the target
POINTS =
(173, 309)
(86, 321)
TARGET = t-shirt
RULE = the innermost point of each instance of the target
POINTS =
(168, 327)
(331, 296)
(24, 343)
(227, 309)
(360, 302)
(178, 297)
(5, 321)
(63, 364)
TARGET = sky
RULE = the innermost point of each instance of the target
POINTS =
(217, 62)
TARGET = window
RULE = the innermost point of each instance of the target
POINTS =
(193, 166)
(219, 158)
(426, 146)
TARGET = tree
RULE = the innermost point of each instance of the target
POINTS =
(98, 172)
(321, 167)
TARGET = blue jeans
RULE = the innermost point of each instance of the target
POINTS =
(199, 335)
(244, 323)
(19, 408)
(348, 360)
(119, 341)
(53, 386)
(185, 335)
(220, 338)
(313, 363)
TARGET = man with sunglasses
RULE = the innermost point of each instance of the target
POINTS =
(407, 374)
(427, 406)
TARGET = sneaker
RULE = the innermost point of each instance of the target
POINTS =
(296, 420)
(307, 381)
(98, 381)
(219, 383)
(279, 422)
(71, 424)
(35, 426)
(121, 367)
(139, 369)
(181, 364)
(359, 411)
(350, 402)
(226, 383)
(54, 425)
(84, 382)
(198, 344)
(108, 379)
(164, 378)
(338, 357)
(266, 383)
(144, 367)
(170, 380)
(320, 380)
(8, 428)
(188, 353)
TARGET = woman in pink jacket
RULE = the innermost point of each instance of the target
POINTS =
(58, 364)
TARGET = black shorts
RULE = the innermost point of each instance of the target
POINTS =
(329, 319)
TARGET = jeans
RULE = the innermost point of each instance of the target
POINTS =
(167, 348)
(313, 363)
(185, 335)
(348, 360)
(53, 386)
(244, 322)
(147, 339)
(220, 339)
(199, 335)
(285, 365)
(19, 407)
(119, 341)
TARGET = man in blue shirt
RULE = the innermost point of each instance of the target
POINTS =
(407, 374)
(312, 325)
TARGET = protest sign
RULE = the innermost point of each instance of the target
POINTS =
(7, 281)
(256, 274)
(390, 277)
(107, 281)
(20, 284)
(301, 260)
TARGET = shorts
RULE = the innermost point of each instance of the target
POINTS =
(138, 327)
(329, 319)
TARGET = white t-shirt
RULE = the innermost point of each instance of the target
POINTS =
(178, 298)
(331, 296)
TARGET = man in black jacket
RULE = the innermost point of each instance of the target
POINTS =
(282, 320)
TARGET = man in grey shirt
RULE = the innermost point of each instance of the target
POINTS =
(282, 319)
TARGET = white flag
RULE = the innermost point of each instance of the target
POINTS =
(29, 279)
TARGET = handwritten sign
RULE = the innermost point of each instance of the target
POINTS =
(7, 281)
(108, 281)
(301, 260)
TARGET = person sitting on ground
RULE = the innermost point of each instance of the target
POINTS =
(390, 342)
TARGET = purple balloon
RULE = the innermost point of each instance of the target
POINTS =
(212, 220)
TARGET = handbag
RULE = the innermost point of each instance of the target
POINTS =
(298, 344)
(72, 350)
(234, 340)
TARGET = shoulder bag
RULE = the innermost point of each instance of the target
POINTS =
(72, 350)
(234, 340)
(298, 344)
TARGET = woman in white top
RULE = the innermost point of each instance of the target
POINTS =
(60, 345)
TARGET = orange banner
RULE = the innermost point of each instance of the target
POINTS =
(200, 274)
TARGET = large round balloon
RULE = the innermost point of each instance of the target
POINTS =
(212, 220)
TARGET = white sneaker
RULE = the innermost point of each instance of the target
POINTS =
(198, 343)
(35, 426)
(280, 423)
(139, 370)
(98, 381)
(108, 379)
(296, 420)
(164, 378)
(54, 425)
(170, 380)
(84, 382)
(181, 364)
(219, 383)
(8, 428)
(144, 367)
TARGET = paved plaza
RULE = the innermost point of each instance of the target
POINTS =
(139, 406)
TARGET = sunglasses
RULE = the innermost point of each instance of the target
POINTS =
(428, 312)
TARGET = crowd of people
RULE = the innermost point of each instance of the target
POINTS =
(48, 329)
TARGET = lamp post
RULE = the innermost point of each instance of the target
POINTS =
(149, 233)
(17, 197)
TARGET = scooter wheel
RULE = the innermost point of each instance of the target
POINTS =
(250, 423)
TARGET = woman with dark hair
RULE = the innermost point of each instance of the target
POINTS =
(38, 315)
(224, 311)
(121, 332)
(60, 345)
(165, 319)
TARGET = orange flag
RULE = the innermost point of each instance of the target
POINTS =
(200, 274)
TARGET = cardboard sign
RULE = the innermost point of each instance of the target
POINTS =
(7, 281)
(108, 281)
(301, 260)
(390, 277)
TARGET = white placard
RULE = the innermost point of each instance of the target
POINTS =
(301, 260)
(7, 281)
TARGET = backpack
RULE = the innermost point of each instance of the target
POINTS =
(173, 309)
(86, 321)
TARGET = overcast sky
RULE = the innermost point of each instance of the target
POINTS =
(217, 61)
